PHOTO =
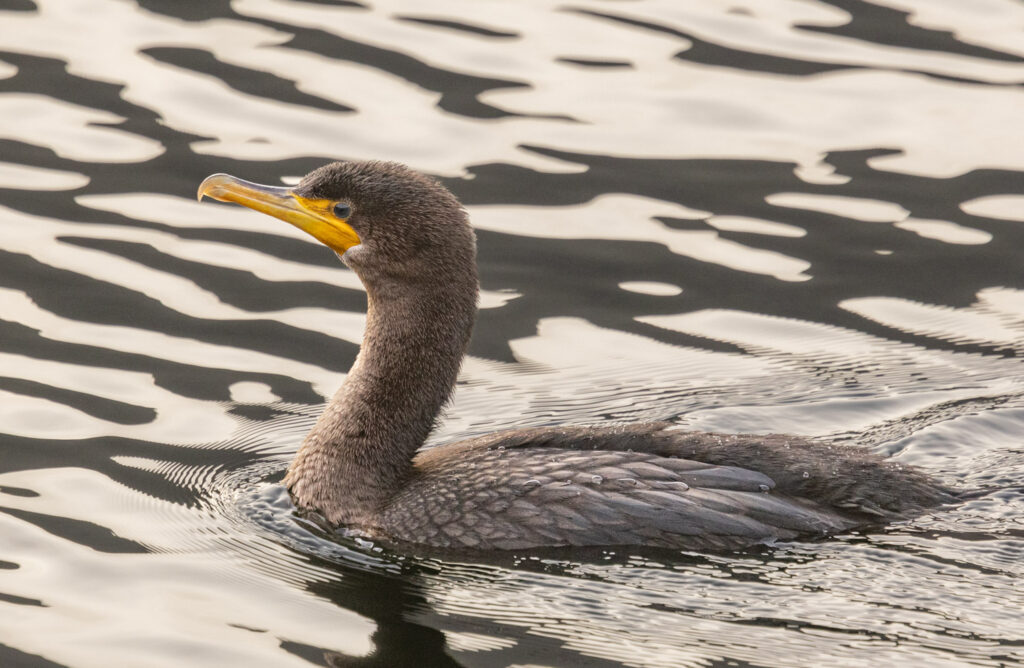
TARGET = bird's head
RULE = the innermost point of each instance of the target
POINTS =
(386, 221)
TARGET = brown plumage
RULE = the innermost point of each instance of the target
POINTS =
(410, 242)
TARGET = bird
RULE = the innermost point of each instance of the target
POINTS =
(362, 468)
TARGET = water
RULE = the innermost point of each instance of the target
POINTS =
(784, 216)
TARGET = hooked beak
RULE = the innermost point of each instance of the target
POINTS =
(313, 216)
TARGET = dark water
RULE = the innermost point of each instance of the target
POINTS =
(769, 216)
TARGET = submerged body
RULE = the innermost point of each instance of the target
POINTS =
(410, 242)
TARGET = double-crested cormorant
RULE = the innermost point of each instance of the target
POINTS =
(409, 241)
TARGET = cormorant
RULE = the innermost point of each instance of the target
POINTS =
(410, 242)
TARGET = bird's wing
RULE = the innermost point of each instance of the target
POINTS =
(851, 480)
(529, 497)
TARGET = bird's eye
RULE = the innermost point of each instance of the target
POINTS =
(342, 211)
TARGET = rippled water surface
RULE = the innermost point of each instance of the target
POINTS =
(782, 215)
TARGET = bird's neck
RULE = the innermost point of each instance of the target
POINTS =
(359, 453)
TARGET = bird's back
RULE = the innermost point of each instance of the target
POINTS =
(646, 484)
